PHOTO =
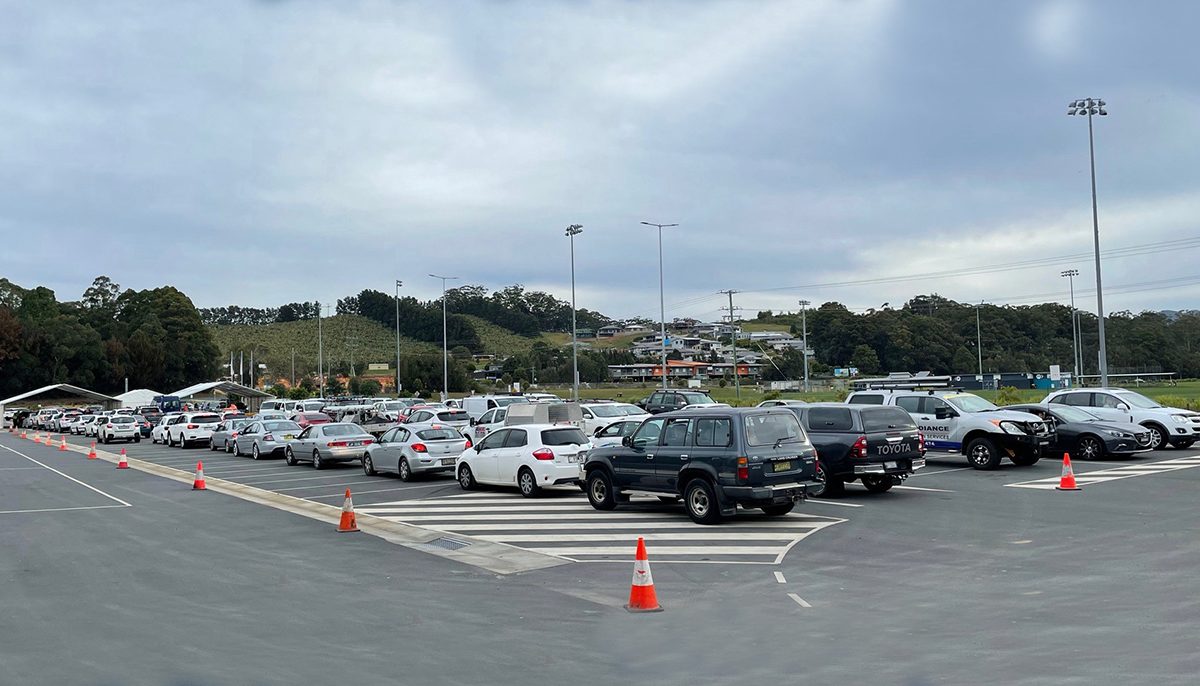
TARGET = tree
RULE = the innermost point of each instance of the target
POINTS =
(370, 387)
(101, 294)
(865, 359)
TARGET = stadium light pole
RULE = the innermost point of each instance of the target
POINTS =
(979, 341)
(662, 308)
(804, 338)
(399, 283)
(445, 343)
(1070, 275)
(320, 355)
(573, 231)
(1092, 107)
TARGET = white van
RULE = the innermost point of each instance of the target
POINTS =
(476, 405)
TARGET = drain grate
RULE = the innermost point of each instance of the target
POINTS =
(448, 543)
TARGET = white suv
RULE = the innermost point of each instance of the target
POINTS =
(122, 427)
(192, 427)
(1167, 425)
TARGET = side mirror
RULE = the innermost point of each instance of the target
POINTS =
(627, 441)
(472, 421)
(943, 413)
(1123, 407)
(597, 431)
(478, 447)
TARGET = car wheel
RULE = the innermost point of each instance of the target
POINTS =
(254, 452)
(317, 462)
(368, 465)
(212, 447)
(600, 490)
(877, 484)
(404, 470)
(982, 454)
(289, 457)
(777, 510)
(1158, 436)
(237, 449)
(228, 446)
(105, 440)
(1025, 460)
(527, 483)
(1089, 448)
(137, 439)
(828, 486)
(466, 479)
(700, 500)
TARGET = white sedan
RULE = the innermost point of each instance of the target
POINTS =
(614, 433)
(599, 415)
(528, 456)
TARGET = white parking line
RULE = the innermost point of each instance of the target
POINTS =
(779, 578)
(918, 488)
(818, 501)
(64, 509)
(65, 476)
(799, 601)
(940, 471)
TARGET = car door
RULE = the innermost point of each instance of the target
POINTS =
(484, 464)
(382, 451)
(674, 451)
(1109, 407)
(304, 442)
(401, 438)
(511, 456)
(940, 432)
(633, 466)
(480, 430)
(246, 437)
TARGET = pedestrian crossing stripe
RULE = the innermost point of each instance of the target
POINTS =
(569, 528)
(1116, 473)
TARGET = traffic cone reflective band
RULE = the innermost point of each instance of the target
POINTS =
(92, 452)
(198, 483)
(348, 522)
(23, 434)
(123, 463)
(641, 594)
(62, 446)
(1067, 482)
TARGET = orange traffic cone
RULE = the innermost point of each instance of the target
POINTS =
(62, 446)
(124, 463)
(1067, 481)
(348, 521)
(198, 483)
(641, 594)
(23, 434)
(92, 452)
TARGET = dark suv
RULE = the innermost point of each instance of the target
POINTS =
(714, 458)
(668, 401)
(878, 445)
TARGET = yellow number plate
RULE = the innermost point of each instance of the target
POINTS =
(782, 466)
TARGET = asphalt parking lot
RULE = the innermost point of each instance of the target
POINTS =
(961, 577)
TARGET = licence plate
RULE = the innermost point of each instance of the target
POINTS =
(782, 466)
(446, 461)
(890, 465)
(575, 458)
(918, 463)
(288, 437)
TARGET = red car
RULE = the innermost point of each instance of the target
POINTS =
(306, 419)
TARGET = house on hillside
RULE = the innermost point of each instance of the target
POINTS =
(609, 331)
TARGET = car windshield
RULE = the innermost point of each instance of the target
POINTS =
(394, 406)
(772, 429)
(505, 402)
(1138, 400)
(694, 398)
(345, 430)
(121, 420)
(571, 436)
(439, 435)
(205, 419)
(455, 416)
(281, 426)
(969, 403)
(607, 410)
(1073, 414)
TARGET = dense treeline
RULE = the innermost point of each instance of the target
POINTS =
(936, 334)
(234, 314)
(154, 338)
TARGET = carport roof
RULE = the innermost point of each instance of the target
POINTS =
(64, 388)
(226, 387)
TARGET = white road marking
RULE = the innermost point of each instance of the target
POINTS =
(940, 471)
(799, 601)
(65, 476)
(779, 578)
(682, 524)
(1103, 475)
(818, 501)
(257, 481)
(661, 551)
(64, 509)
(919, 488)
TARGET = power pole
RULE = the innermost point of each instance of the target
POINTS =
(737, 385)
(979, 340)
(804, 339)
(573, 231)
(399, 283)
(320, 356)
(293, 367)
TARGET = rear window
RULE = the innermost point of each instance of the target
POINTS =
(693, 398)
(438, 435)
(830, 419)
(866, 399)
(205, 419)
(570, 436)
(122, 419)
(887, 419)
(769, 429)
(344, 430)
(456, 416)
(280, 426)
(315, 415)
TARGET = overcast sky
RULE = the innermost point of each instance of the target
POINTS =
(256, 153)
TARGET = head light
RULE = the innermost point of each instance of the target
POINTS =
(1181, 418)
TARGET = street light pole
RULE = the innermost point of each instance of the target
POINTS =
(662, 309)
(979, 341)
(804, 339)
(572, 231)
(737, 384)
(445, 344)
(399, 283)
(1091, 107)
(320, 356)
(1070, 274)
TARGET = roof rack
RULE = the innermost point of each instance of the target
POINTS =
(904, 381)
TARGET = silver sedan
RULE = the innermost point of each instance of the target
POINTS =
(262, 439)
(409, 450)
(322, 444)
(222, 436)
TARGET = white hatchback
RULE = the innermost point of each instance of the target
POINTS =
(528, 456)
(193, 427)
(121, 427)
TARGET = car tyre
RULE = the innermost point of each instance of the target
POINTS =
(600, 491)
(1089, 448)
(983, 454)
(877, 484)
(212, 446)
(405, 471)
(700, 501)
(317, 462)
(368, 465)
(777, 510)
(1025, 460)
(137, 439)
(228, 447)
(289, 458)
(527, 483)
(254, 452)
(237, 450)
(466, 479)
(1158, 436)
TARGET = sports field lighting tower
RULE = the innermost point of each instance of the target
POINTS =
(1092, 107)
(1076, 359)
(399, 283)
(662, 308)
(445, 345)
(573, 231)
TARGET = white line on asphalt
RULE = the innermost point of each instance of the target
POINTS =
(519, 539)
(598, 519)
(64, 509)
(779, 578)
(799, 601)
(918, 488)
(941, 471)
(816, 501)
(682, 523)
(381, 490)
(65, 476)
(663, 551)
(339, 485)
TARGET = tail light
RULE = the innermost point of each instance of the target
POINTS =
(337, 444)
(193, 426)
(543, 454)
(268, 437)
(859, 449)
(108, 426)
(921, 442)
(743, 469)
(468, 445)
(233, 435)
(419, 448)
